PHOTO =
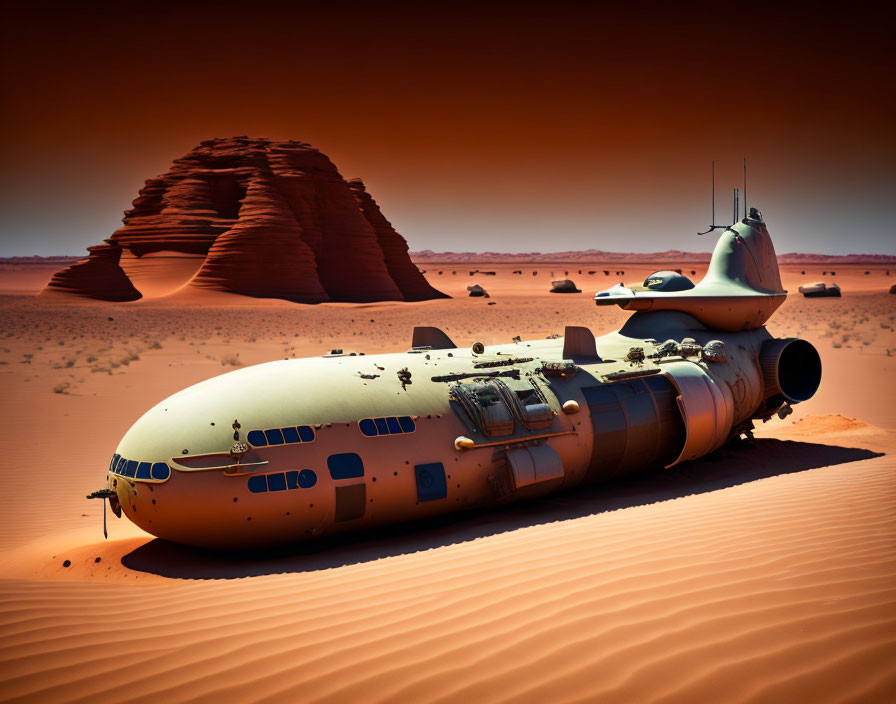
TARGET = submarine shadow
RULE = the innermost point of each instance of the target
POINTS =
(744, 462)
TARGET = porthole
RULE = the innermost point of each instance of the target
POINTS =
(160, 471)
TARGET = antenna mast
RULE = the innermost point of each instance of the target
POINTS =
(746, 212)
(713, 225)
(736, 207)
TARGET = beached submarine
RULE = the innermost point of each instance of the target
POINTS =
(296, 449)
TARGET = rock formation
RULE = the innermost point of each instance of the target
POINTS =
(260, 218)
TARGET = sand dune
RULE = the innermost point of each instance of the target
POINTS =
(764, 572)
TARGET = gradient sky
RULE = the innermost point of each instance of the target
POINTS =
(499, 126)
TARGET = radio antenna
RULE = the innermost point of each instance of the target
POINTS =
(713, 225)
(736, 208)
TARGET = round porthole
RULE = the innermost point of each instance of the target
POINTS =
(160, 471)
(307, 478)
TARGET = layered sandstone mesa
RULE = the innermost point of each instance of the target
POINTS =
(99, 276)
(253, 217)
(242, 259)
(395, 249)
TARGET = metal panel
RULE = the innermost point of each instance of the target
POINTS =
(522, 465)
(537, 463)
(350, 502)
(706, 406)
(548, 464)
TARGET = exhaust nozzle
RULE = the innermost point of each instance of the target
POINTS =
(791, 368)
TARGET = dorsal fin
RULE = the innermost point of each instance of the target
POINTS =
(426, 336)
(578, 343)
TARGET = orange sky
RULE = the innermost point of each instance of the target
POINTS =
(513, 128)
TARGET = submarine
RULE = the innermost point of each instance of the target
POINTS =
(293, 450)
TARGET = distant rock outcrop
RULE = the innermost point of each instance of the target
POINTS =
(260, 218)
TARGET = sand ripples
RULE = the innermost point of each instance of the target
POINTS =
(781, 589)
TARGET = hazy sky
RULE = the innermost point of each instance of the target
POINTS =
(488, 126)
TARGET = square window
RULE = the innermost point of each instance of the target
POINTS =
(276, 482)
(347, 465)
(274, 437)
(257, 438)
(257, 484)
(292, 479)
(306, 433)
(381, 427)
(394, 427)
(291, 435)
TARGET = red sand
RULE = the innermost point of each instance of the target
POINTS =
(765, 572)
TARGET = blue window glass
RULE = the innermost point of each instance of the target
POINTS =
(274, 436)
(306, 432)
(143, 470)
(290, 435)
(130, 469)
(381, 426)
(307, 478)
(276, 482)
(257, 438)
(394, 427)
(346, 465)
(407, 424)
(122, 463)
(292, 480)
(368, 427)
(431, 484)
(114, 462)
(160, 471)
(257, 484)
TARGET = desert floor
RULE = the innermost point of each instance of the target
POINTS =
(765, 572)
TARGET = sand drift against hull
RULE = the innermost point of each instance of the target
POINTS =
(253, 217)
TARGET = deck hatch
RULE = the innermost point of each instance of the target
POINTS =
(431, 483)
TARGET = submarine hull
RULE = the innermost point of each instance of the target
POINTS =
(343, 443)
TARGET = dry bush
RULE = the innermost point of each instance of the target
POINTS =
(231, 361)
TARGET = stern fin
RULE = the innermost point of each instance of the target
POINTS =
(578, 343)
(426, 336)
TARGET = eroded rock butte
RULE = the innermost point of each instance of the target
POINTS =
(253, 217)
